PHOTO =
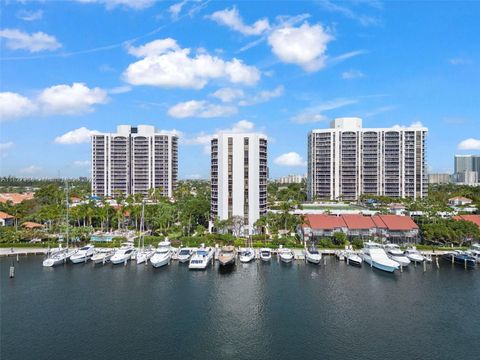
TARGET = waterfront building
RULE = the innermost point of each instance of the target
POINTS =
(389, 228)
(439, 178)
(291, 179)
(134, 160)
(347, 161)
(467, 169)
(239, 174)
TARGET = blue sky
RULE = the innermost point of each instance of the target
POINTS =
(196, 67)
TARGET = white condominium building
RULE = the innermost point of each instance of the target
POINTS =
(346, 161)
(134, 160)
(239, 175)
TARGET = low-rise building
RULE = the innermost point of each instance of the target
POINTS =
(472, 218)
(385, 228)
(439, 178)
(6, 219)
(459, 201)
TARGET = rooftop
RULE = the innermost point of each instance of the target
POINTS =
(472, 218)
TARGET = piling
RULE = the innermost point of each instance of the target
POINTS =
(17, 259)
(436, 261)
(453, 258)
(12, 271)
(465, 264)
(401, 268)
(424, 266)
(125, 262)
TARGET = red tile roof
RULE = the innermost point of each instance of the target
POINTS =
(325, 222)
(460, 198)
(16, 198)
(4, 215)
(472, 218)
(31, 225)
(358, 222)
(396, 222)
(355, 222)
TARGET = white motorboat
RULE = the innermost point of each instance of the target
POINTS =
(162, 255)
(414, 255)
(374, 255)
(340, 254)
(102, 256)
(247, 255)
(227, 256)
(201, 258)
(474, 252)
(265, 254)
(312, 255)
(57, 258)
(352, 258)
(83, 254)
(184, 254)
(144, 254)
(123, 254)
(396, 254)
(286, 255)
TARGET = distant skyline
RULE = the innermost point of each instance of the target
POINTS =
(70, 69)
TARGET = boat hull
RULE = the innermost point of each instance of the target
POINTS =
(79, 259)
(286, 258)
(457, 260)
(101, 260)
(115, 260)
(379, 266)
(159, 262)
(354, 261)
(313, 259)
(265, 258)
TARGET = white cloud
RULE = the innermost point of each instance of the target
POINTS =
(30, 170)
(352, 74)
(460, 61)
(156, 47)
(27, 15)
(77, 136)
(202, 109)
(165, 64)
(13, 105)
(70, 100)
(263, 96)
(120, 89)
(314, 114)
(228, 94)
(290, 159)
(110, 4)
(232, 19)
(304, 46)
(469, 144)
(205, 138)
(176, 9)
(364, 20)
(6, 146)
(413, 125)
(81, 163)
(35, 42)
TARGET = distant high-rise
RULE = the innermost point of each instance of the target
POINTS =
(467, 169)
(239, 176)
(439, 178)
(291, 179)
(346, 161)
(134, 160)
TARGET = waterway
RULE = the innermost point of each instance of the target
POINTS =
(256, 311)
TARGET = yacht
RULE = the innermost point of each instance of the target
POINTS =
(201, 258)
(184, 254)
(59, 257)
(162, 255)
(123, 254)
(461, 258)
(396, 254)
(474, 251)
(352, 258)
(247, 255)
(312, 255)
(83, 254)
(144, 254)
(227, 256)
(102, 256)
(414, 255)
(340, 254)
(265, 254)
(286, 255)
(374, 255)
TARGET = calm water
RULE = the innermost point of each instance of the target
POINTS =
(256, 311)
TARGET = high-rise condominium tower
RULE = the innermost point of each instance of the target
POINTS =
(467, 169)
(346, 161)
(134, 160)
(239, 177)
